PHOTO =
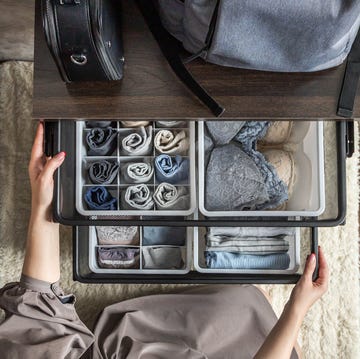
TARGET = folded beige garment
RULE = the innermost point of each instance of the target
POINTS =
(134, 123)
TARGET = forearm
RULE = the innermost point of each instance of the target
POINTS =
(282, 338)
(42, 258)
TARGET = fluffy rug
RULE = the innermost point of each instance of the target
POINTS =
(331, 328)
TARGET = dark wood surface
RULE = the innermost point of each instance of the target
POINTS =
(150, 89)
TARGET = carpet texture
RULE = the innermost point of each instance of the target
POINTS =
(331, 328)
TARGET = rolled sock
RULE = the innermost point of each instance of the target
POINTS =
(118, 257)
(174, 236)
(103, 172)
(169, 197)
(98, 198)
(222, 132)
(170, 123)
(124, 235)
(171, 142)
(139, 197)
(138, 143)
(233, 181)
(98, 123)
(277, 133)
(135, 123)
(162, 258)
(227, 260)
(101, 141)
(138, 172)
(172, 169)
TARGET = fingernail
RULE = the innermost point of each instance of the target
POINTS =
(312, 257)
(60, 155)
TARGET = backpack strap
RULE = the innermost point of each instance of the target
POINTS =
(350, 81)
(170, 47)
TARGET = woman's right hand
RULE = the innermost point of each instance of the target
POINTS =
(306, 292)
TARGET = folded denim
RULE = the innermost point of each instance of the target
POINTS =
(103, 172)
(170, 123)
(98, 198)
(171, 142)
(227, 260)
(169, 197)
(162, 258)
(124, 235)
(172, 169)
(118, 257)
(275, 187)
(98, 123)
(101, 141)
(174, 236)
(222, 132)
(137, 172)
(139, 197)
(233, 181)
(138, 143)
(135, 123)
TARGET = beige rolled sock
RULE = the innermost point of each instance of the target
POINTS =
(277, 134)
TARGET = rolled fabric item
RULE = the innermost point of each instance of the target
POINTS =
(98, 124)
(101, 141)
(172, 169)
(118, 257)
(174, 236)
(169, 197)
(162, 258)
(170, 123)
(138, 143)
(284, 164)
(276, 189)
(233, 181)
(171, 142)
(132, 124)
(277, 133)
(227, 260)
(139, 197)
(98, 198)
(138, 172)
(124, 235)
(222, 132)
(103, 172)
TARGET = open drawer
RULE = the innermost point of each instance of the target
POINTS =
(329, 186)
(89, 269)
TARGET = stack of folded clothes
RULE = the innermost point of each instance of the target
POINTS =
(248, 247)
(238, 176)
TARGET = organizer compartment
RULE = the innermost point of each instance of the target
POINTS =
(200, 263)
(186, 254)
(308, 195)
(118, 186)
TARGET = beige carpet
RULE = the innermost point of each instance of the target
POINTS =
(330, 330)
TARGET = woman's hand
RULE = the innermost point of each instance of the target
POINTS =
(306, 292)
(41, 171)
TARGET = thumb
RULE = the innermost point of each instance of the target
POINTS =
(310, 267)
(52, 165)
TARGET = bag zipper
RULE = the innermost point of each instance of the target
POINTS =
(209, 37)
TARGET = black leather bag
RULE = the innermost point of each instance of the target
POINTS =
(84, 37)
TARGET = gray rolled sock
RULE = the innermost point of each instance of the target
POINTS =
(138, 172)
(138, 197)
(162, 258)
(233, 182)
(138, 143)
(169, 197)
(101, 141)
(103, 172)
(222, 132)
(173, 124)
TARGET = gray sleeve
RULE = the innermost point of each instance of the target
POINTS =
(40, 322)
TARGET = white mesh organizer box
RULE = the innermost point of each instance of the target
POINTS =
(133, 184)
(171, 265)
(308, 191)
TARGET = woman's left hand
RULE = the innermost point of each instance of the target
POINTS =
(41, 171)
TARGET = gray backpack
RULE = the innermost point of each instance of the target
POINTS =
(276, 35)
